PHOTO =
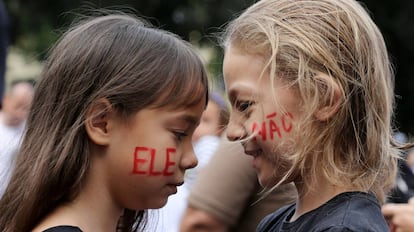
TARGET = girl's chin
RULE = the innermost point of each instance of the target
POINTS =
(262, 182)
(157, 205)
(265, 180)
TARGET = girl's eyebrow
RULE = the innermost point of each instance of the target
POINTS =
(233, 95)
(235, 91)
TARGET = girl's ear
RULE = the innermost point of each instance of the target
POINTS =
(97, 120)
(330, 107)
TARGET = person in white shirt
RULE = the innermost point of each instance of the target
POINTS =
(15, 108)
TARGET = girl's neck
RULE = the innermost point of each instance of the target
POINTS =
(309, 200)
(88, 216)
(92, 210)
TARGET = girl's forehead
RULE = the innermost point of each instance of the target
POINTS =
(189, 115)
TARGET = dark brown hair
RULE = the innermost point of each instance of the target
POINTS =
(115, 57)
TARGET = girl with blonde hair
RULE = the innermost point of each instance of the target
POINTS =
(311, 89)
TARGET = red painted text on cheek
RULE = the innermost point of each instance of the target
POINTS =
(274, 125)
(144, 162)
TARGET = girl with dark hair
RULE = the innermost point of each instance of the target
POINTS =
(109, 131)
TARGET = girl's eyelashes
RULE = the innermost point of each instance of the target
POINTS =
(180, 135)
(243, 106)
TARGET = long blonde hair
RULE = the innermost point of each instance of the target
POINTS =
(301, 38)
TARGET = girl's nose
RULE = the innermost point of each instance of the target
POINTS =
(189, 160)
(235, 131)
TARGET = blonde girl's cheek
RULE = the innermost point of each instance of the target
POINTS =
(275, 126)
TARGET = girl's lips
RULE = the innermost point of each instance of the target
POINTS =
(256, 154)
(173, 187)
(253, 153)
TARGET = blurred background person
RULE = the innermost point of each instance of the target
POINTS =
(404, 189)
(404, 184)
(226, 194)
(206, 137)
(16, 104)
(400, 216)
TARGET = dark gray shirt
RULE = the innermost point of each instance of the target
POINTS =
(63, 229)
(350, 211)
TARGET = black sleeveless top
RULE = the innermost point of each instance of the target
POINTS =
(63, 229)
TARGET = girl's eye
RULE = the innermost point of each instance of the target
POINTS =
(179, 135)
(243, 106)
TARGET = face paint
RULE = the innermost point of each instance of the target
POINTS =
(274, 124)
(144, 159)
